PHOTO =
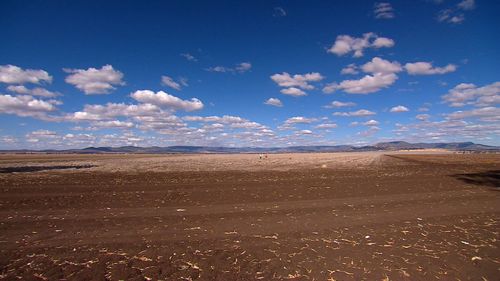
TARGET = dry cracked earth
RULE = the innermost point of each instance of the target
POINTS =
(329, 216)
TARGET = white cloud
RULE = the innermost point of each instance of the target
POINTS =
(350, 69)
(11, 74)
(367, 84)
(383, 10)
(383, 42)
(95, 81)
(370, 132)
(292, 91)
(426, 68)
(99, 112)
(25, 106)
(189, 57)
(243, 67)
(226, 119)
(371, 123)
(378, 65)
(274, 102)
(304, 132)
(113, 124)
(41, 135)
(218, 69)
(326, 126)
(165, 100)
(358, 113)
(298, 80)
(467, 5)
(489, 114)
(455, 15)
(279, 12)
(169, 82)
(336, 104)
(300, 120)
(423, 117)
(247, 125)
(399, 108)
(20, 89)
(240, 68)
(453, 129)
(382, 76)
(345, 44)
(470, 94)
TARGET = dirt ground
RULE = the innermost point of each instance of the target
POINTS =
(325, 216)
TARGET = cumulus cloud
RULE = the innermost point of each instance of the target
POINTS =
(378, 65)
(41, 92)
(49, 139)
(289, 124)
(383, 10)
(423, 117)
(170, 82)
(337, 104)
(358, 113)
(25, 106)
(489, 114)
(382, 76)
(292, 91)
(239, 68)
(452, 129)
(97, 112)
(225, 119)
(11, 74)
(295, 84)
(41, 135)
(383, 42)
(370, 132)
(274, 102)
(95, 81)
(470, 94)
(426, 68)
(345, 44)
(300, 120)
(304, 132)
(326, 126)
(366, 85)
(350, 69)
(399, 108)
(114, 124)
(371, 123)
(298, 80)
(165, 100)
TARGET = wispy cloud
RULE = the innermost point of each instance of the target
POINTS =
(383, 10)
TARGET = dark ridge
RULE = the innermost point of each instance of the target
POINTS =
(27, 169)
(489, 178)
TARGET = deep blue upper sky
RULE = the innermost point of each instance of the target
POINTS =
(256, 73)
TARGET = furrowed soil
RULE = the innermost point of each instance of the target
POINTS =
(328, 216)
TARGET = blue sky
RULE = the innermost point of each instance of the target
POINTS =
(258, 73)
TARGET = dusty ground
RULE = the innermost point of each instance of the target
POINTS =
(339, 216)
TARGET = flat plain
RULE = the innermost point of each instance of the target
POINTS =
(324, 216)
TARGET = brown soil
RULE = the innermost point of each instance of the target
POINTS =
(234, 217)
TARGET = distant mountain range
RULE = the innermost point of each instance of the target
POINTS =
(383, 146)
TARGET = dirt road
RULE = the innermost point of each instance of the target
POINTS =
(234, 217)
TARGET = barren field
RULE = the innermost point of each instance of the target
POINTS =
(325, 216)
